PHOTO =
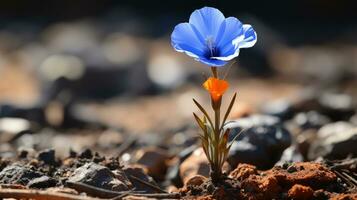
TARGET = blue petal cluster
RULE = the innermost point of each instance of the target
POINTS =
(211, 38)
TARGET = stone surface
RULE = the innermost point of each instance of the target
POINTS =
(136, 171)
(300, 192)
(154, 159)
(195, 181)
(335, 141)
(47, 156)
(311, 119)
(42, 182)
(262, 141)
(291, 154)
(18, 174)
(99, 176)
(195, 164)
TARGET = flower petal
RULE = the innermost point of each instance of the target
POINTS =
(184, 39)
(207, 21)
(212, 62)
(233, 32)
(250, 37)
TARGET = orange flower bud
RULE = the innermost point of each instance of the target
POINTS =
(216, 87)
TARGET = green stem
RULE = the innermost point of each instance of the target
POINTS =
(215, 169)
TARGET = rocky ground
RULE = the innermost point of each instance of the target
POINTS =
(303, 148)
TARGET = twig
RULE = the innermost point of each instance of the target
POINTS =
(40, 195)
(95, 191)
(148, 184)
(344, 178)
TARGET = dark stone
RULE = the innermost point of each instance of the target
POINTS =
(17, 174)
(138, 173)
(47, 156)
(311, 119)
(86, 154)
(173, 171)
(261, 143)
(100, 176)
(22, 153)
(338, 107)
(290, 155)
(42, 182)
(335, 141)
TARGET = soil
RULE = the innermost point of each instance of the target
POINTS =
(303, 180)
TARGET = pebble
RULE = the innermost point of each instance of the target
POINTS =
(310, 120)
(154, 159)
(47, 156)
(261, 143)
(139, 172)
(335, 141)
(42, 182)
(99, 176)
(195, 164)
(196, 180)
(18, 174)
(291, 154)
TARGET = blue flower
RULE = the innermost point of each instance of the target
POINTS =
(211, 38)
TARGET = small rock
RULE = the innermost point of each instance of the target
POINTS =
(99, 176)
(300, 192)
(335, 141)
(86, 154)
(337, 106)
(171, 189)
(311, 119)
(173, 171)
(42, 182)
(291, 154)
(140, 173)
(243, 171)
(195, 181)
(14, 125)
(25, 152)
(18, 174)
(261, 143)
(155, 161)
(196, 164)
(47, 156)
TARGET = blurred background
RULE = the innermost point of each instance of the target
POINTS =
(69, 69)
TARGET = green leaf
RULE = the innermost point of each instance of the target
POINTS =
(199, 122)
(228, 110)
(203, 111)
(235, 137)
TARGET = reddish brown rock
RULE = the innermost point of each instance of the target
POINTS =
(195, 180)
(300, 192)
(243, 171)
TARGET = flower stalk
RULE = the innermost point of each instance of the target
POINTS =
(214, 138)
